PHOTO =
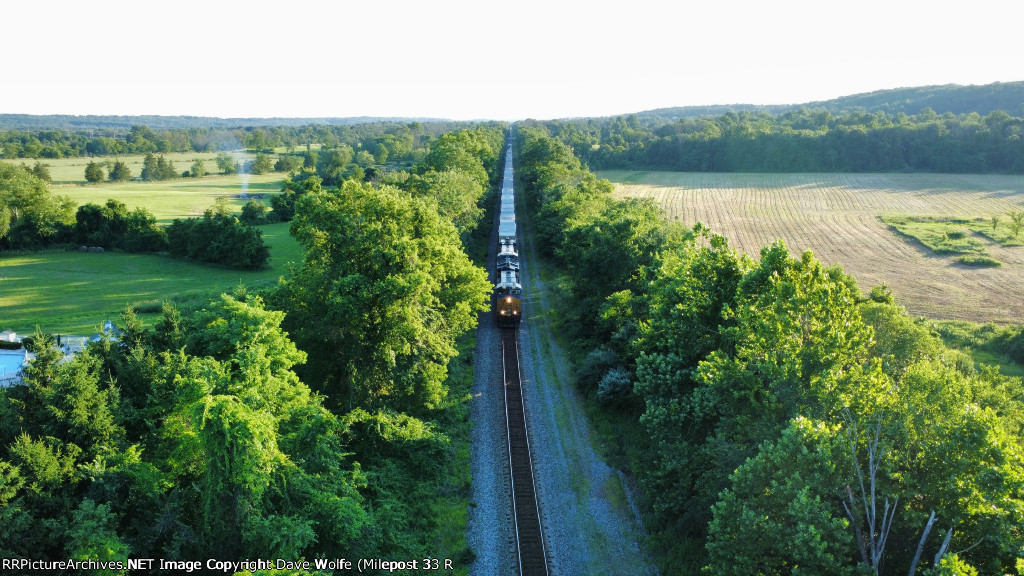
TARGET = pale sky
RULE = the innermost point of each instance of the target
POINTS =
(479, 59)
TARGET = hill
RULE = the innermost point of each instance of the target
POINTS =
(954, 98)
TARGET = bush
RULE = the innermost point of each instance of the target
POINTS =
(980, 261)
(218, 239)
(594, 367)
(1011, 343)
(616, 386)
(288, 163)
(254, 213)
(94, 172)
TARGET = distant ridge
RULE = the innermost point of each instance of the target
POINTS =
(73, 123)
(953, 98)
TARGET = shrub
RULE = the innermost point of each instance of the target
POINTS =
(980, 261)
(254, 213)
(616, 386)
(594, 367)
(218, 239)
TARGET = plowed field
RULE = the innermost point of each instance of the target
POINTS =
(837, 216)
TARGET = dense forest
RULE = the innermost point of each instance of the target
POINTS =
(318, 419)
(778, 419)
(802, 140)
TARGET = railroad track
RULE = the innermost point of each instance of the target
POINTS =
(530, 551)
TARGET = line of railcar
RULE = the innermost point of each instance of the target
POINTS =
(508, 290)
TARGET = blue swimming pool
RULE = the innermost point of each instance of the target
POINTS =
(10, 362)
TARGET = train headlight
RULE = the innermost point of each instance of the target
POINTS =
(508, 300)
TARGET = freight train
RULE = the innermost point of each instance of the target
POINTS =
(508, 291)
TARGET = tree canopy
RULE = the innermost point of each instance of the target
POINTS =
(382, 293)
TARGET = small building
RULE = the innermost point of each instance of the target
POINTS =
(9, 336)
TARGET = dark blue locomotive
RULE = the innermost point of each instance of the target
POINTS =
(508, 291)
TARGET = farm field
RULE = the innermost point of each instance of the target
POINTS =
(178, 198)
(839, 218)
(74, 292)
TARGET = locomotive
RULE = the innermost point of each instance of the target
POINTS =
(508, 291)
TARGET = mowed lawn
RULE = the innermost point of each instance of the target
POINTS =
(74, 292)
(178, 198)
(838, 217)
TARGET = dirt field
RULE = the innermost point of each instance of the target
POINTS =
(837, 217)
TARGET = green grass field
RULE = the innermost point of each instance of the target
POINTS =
(72, 170)
(74, 292)
(940, 235)
(955, 235)
(179, 198)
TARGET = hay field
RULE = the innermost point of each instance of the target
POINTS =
(838, 217)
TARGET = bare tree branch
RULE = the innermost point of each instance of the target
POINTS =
(920, 545)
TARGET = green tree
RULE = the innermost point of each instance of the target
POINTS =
(94, 172)
(218, 238)
(5, 221)
(166, 169)
(120, 172)
(288, 163)
(383, 291)
(36, 217)
(457, 195)
(331, 163)
(260, 164)
(142, 233)
(198, 169)
(226, 163)
(1016, 222)
(778, 515)
(292, 189)
(254, 213)
(364, 159)
(150, 169)
(92, 536)
(468, 151)
(256, 140)
(42, 171)
(270, 460)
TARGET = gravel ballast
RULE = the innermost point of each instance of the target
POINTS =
(590, 525)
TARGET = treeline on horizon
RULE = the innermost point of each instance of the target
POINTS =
(400, 139)
(802, 140)
(778, 419)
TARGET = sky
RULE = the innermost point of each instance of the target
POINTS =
(479, 59)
